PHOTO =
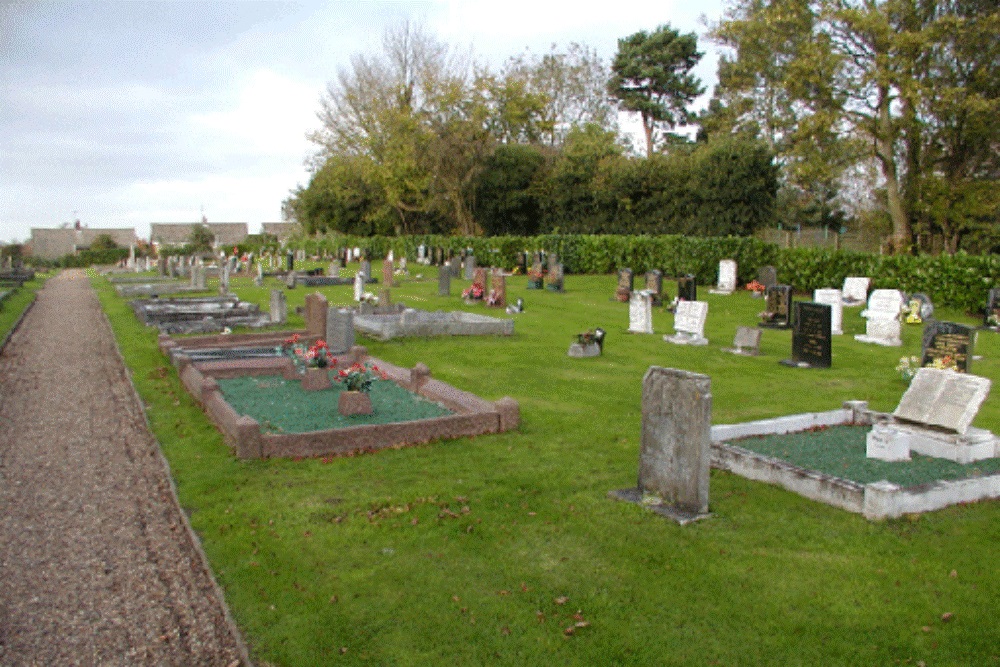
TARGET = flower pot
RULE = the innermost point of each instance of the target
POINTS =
(316, 379)
(354, 403)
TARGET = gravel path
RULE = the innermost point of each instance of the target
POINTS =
(96, 564)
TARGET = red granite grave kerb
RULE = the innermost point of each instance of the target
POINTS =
(473, 415)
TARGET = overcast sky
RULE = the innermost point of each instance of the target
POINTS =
(125, 113)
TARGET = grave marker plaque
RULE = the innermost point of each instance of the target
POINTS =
(746, 342)
(947, 345)
(811, 342)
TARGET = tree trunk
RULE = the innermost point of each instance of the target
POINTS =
(902, 234)
(647, 127)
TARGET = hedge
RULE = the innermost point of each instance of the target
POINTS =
(961, 280)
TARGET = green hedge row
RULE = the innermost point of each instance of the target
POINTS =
(960, 281)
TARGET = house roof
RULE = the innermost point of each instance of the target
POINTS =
(179, 233)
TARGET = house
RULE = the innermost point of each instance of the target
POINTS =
(227, 234)
(283, 230)
(56, 243)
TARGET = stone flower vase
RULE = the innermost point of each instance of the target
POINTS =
(354, 403)
(316, 379)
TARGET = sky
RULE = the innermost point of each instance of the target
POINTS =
(119, 114)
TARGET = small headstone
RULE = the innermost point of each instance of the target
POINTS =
(767, 276)
(518, 307)
(689, 323)
(918, 308)
(224, 280)
(654, 285)
(470, 266)
(624, 289)
(675, 453)
(198, 277)
(746, 342)
(359, 285)
(856, 290)
(947, 345)
(687, 288)
(944, 399)
(479, 279)
(640, 313)
(444, 281)
(777, 307)
(279, 307)
(421, 253)
(161, 265)
(290, 261)
(384, 297)
(727, 277)
(522, 262)
(811, 342)
(835, 299)
(535, 278)
(387, 277)
(882, 326)
(291, 279)
(334, 269)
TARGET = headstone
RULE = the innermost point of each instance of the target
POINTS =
(689, 323)
(291, 279)
(746, 342)
(947, 345)
(624, 289)
(456, 266)
(777, 307)
(130, 264)
(470, 266)
(727, 277)
(339, 330)
(366, 268)
(811, 341)
(882, 326)
(479, 279)
(359, 285)
(316, 312)
(555, 278)
(259, 279)
(387, 277)
(943, 399)
(444, 281)
(402, 266)
(535, 278)
(384, 297)
(767, 276)
(522, 262)
(161, 265)
(290, 261)
(279, 307)
(334, 269)
(675, 453)
(654, 285)
(835, 299)
(498, 290)
(992, 316)
(687, 288)
(856, 290)
(640, 313)
(421, 253)
(198, 277)
(919, 308)
(224, 280)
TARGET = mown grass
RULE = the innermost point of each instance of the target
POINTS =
(486, 550)
(17, 302)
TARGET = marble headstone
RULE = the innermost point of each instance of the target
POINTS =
(727, 277)
(882, 325)
(835, 299)
(689, 323)
(640, 312)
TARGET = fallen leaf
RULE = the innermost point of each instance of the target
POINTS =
(953, 574)
(505, 630)
(561, 600)
(503, 592)
(343, 650)
(926, 628)
(582, 624)
(455, 598)
(947, 616)
(334, 599)
(540, 616)
(568, 631)
(524, 587)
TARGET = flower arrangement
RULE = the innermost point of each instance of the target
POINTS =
(474, 292)
(993, 319)
(945, 363)
(315, 356)
(587, 337)
(493, 299)
(359, 377)
(755, 287)
(907, 368)
(536, 273)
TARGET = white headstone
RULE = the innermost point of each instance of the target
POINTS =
(727, 277)
(689, 323)
(359, 285)
(835, 299)
(883, 326)
(640, 312)
(855, 290)
(945, 399)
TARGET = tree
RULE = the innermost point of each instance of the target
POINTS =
(507, 198)
(201, 238)
(103, 242)
(651, 75)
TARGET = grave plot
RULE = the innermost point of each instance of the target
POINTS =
(198, 315)
(262, 410)
(412, 322)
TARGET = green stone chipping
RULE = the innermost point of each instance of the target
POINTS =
(281, 406)
(840, 451)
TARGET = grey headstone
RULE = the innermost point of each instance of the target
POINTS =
(470, 266)
(945, 399)
(676, 438)
(291, 279)
(746, 341)
(279, 307)
(640, 313)
(339, 330)
(444, 281)
(767, 276)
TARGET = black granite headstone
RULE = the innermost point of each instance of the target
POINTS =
(687, 288)
(811, 341)
(522, 262)
(949, 344)
(290, 261)
(777, 307)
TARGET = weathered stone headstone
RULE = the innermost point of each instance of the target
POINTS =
(456, 266)
(555, 278)
(359, 285)
(882, 326)
(316, 310)
(777, 307)
(291, 279)
(279, 307)
(835, 299)
(687, 288)
(161, 265)
(992, 316)
(224, 280)
(366, 268)
(856, 290)
(654, 285)
(640, 313)
(384, 297)
(811, 341)
(387, 277)
(689, 323)
(498, 289)
(767, 276)
(943, 399)
(947, 345)
(522, 262)
(746, 342)
(535, 277)
(727, 277)
(339, 330)
(675, 453)
(444, 281)
(623, 291)
(259, 278)
(334, 269)
(479, 279)
(470, 266)
(198, 277)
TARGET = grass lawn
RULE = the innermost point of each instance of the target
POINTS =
(17, 302)
(504, 549)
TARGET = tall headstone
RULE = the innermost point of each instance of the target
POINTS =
(359, 285)
(334, 269)
(991, 317)
(290, 261)
(498, 289)
(835, 299)
(224, 280)
(640, 312)
(689, 323)
(522, 262)
(279, 307)
(161, 265)
(387, 277)
(675, 453)
(444, 281)
(654, 285)
(366, 268)
(687, 288)
(811, 338)
(479, 279)
(554, 281)
(777, 307)
(856, 290)
(131, 257)
(882, 325)
(456, 266)
(259, 279)
(727, 277)
(339, 330)
(623, 291)
(767, 276)
(947, 345)
(470, 266)
(316, 310)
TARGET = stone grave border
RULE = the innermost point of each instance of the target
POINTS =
(384, 326)
(877, 500)
(473, 415)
